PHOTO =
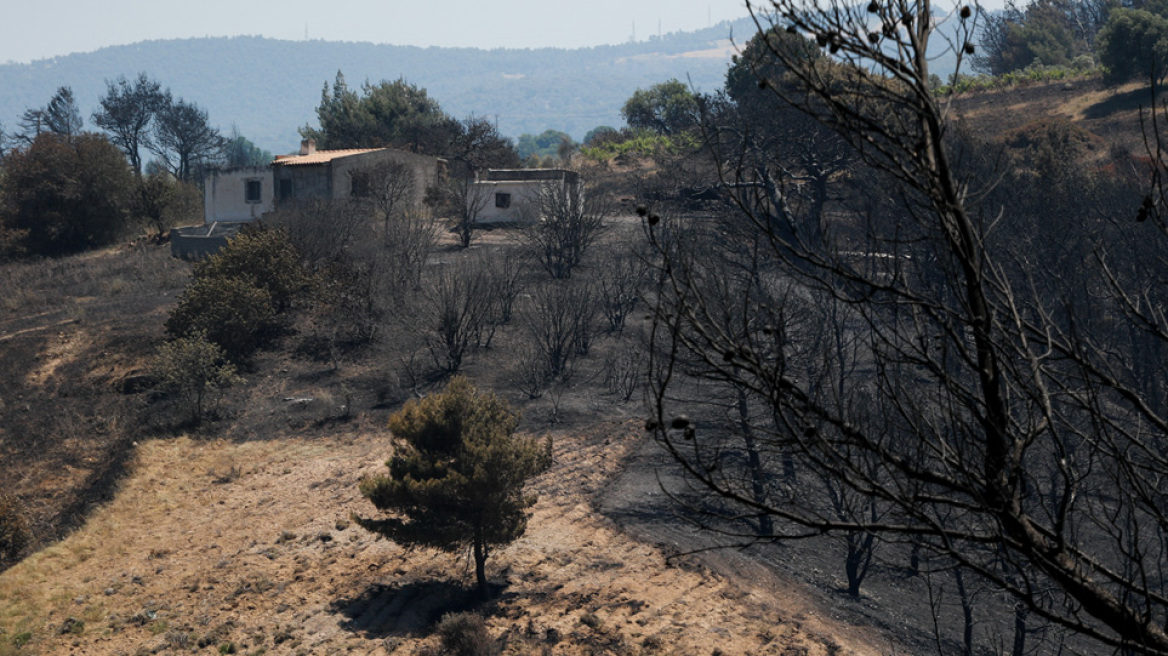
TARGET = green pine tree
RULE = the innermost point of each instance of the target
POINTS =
(457, 478)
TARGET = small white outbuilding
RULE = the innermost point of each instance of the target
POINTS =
(510, 196)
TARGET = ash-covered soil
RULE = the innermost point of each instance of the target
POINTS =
(651, 501)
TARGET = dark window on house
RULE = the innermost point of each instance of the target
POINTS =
(253, 191)
(360, 185)
(285, 188)
(502, 200)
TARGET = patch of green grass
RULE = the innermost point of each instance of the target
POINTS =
(159, 627)
(93, 613)
(1029, 75)
(11, 648)
(644, 144)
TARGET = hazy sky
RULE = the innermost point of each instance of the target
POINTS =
(31, 30)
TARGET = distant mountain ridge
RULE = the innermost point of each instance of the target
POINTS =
(268, 88)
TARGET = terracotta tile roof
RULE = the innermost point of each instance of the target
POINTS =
(320, 156)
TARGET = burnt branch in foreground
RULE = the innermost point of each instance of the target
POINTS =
(958, 381)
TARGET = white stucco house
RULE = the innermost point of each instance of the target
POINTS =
(247, 193)
(507, 196)
(237, 195)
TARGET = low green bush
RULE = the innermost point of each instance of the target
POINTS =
(1081, 68)
(194, 371)
(643, 144)
(265, 258)
(233, 313)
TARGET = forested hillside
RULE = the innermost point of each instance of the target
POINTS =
(268, 88)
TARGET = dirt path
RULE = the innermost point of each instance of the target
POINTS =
(25, 331)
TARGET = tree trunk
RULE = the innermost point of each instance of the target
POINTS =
(859, 557)
(480, 556)
(1020, 613)
(966, 613)
(766, 526)
(852, 566)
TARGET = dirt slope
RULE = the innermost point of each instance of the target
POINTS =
(1112, 113)
(248, 544)
(71, 330)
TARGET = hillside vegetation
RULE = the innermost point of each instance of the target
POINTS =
(269, 88)
(237, 535)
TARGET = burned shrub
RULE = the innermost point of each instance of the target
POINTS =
(14, 531)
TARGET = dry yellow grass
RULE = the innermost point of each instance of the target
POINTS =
(249, 544)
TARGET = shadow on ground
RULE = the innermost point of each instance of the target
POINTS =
(1126, 101)
(406, 609)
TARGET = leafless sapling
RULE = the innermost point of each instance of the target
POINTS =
(565, 220)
